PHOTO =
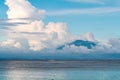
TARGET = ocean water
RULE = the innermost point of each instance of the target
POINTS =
(60, 70)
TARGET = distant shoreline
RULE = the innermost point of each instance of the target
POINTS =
(41, 64)
(59, 59)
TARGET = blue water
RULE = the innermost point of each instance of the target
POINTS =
(32, 71)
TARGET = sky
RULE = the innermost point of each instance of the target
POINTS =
(33, 26)
(80, 15)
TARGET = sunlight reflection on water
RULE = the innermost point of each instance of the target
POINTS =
(26, 73)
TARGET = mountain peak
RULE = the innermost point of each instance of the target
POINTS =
(77, 43)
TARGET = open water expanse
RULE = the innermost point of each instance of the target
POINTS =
(60, 70)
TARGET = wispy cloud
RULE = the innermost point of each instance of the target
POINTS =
(14, 22)
(87, 1)
(88, 11)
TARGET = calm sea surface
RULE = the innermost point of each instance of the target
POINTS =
(60, 70)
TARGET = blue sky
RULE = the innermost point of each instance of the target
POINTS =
(104, 26)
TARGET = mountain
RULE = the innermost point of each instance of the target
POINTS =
(88, 44)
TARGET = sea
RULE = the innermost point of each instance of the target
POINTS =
(60, 70)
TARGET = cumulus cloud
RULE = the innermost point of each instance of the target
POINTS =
(23, 9)
(115, 43)
(88, 37)
(39, 35)
(35, 34)
(10, 43)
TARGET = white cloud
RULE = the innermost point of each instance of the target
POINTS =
(115, 43)
(10, 43)
(88, 37)
(75, 49)
(36, 45)
(88, 11)
(23, 9)
(37, 34)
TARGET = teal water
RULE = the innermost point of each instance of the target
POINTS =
(26, 70)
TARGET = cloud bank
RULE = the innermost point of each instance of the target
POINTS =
(36, 36)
